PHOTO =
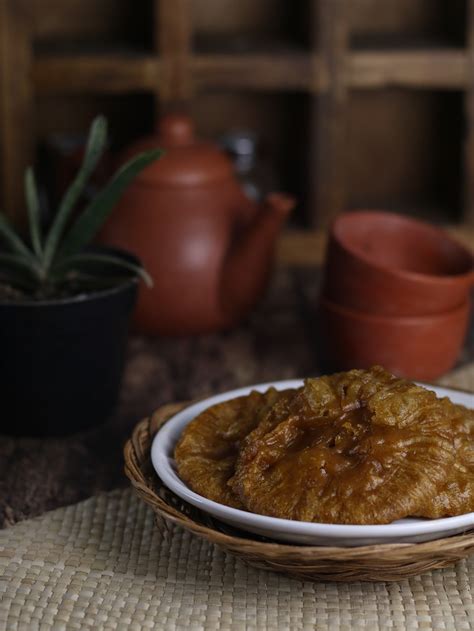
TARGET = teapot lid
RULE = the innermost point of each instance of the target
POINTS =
(187, 162)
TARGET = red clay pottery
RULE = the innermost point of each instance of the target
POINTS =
(207, 247)
(384, 263)
(423, 347)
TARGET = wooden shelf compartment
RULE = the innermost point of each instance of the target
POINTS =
(404, 152)
(379, 24)
(61, 123)
(129, 116)
(227, 27)
(65, 25)
(280, 122)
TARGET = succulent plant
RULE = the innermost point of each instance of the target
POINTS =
(61, 262)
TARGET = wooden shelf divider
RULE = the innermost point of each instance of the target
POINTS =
(121, 72)
(268, 72)
(173, 43)
(443, 69)
(97, 74)
(16, 103)
(327, 190)
(468, 153)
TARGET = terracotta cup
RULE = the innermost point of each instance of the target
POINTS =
(388, 264)
(422, 347)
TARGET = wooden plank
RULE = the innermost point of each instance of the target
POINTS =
(293, 71)
(434, 68)
(305, 248)
(469, 117)
(114, 72)
(16, 104)
(301, 248)
(173, 42)
(327, 192)
(100, 74)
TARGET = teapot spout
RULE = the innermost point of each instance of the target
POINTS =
(248, 264)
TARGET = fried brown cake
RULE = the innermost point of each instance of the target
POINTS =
(361, 447)
(207, 450)
(456, 495)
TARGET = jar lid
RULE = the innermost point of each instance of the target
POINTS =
(188, 161)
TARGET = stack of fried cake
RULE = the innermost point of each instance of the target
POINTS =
(360, 447)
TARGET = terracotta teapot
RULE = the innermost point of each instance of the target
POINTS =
(207, 247)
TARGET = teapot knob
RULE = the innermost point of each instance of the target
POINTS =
(176, 130)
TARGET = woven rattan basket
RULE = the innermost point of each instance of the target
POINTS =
(389, 562)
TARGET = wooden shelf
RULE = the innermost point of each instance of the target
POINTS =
(441, 69)
(336, 55)
(257, 71)
(395, 41)
(100, 74)
(297, 248)
(107, 73)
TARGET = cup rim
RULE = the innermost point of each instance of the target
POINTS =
(388, 319)
(399, 272)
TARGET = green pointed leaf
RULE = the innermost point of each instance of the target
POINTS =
(17, 261)
(17, 272)
(12, 240)
(85, 283)
(106, 260)
(33, 206)
(91, 220)
(94, 150)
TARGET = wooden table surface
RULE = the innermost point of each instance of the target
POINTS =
(276, 342)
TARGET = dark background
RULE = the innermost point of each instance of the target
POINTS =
(356, 103)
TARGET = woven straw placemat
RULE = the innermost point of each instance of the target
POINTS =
(103, 564)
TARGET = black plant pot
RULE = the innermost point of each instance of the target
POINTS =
(61, 361)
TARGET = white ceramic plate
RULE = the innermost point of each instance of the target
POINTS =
(404, 531)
